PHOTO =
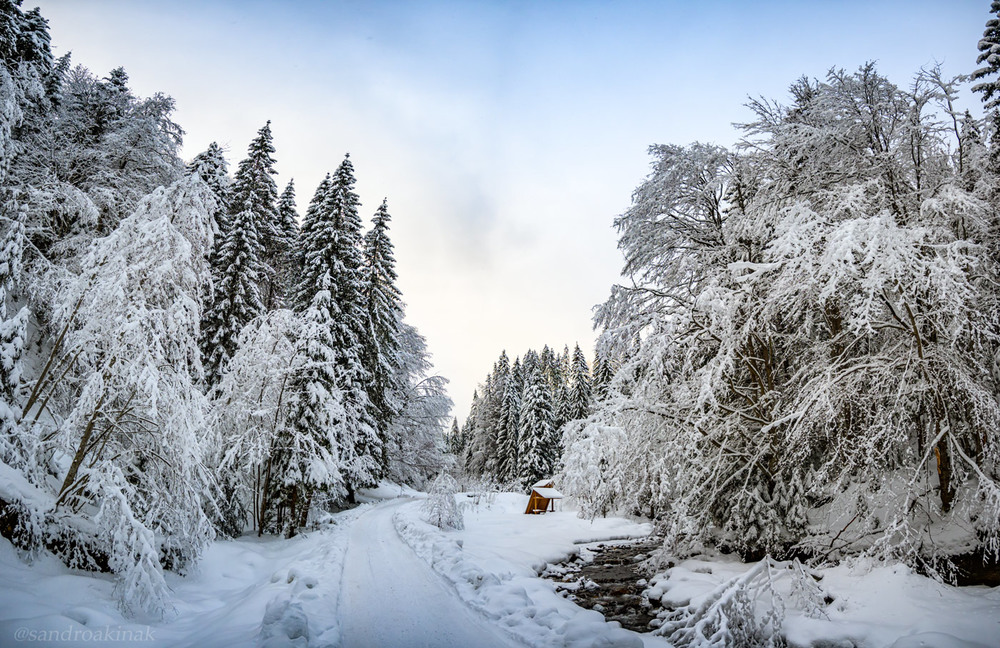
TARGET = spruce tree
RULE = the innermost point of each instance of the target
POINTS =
(455, 438)
(330, 245)
(581, 392)
(469, 434)
(603, 373)
(536, 429)
(255, 191)
(507, 426)
(989, 53)
(308, 454)
(210, 165)
(384, 313)
(236, 297)
(287, 263)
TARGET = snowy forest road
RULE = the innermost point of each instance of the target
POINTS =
(390, 598)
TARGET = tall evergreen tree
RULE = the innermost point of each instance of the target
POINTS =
(286, 260)
(308, 453)
(236, 297)
(385, 311)
(330, 245)
(210, 165)
(507, 426)
(603, 372)
(989, 53)
(255, 191)
(581, 391)
(468, 434)
(536, 429)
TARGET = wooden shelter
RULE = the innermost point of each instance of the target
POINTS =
(543, 497)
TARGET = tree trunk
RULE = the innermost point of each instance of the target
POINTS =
(81, 453)
(943, 456)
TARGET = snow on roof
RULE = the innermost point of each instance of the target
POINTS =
(548, 493)
(542, 483)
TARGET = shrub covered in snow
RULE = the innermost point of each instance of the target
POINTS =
(440, 508)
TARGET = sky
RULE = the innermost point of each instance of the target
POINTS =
(506, 135)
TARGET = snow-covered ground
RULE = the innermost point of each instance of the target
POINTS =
(494, 563)
(245, 592)
(379, 575)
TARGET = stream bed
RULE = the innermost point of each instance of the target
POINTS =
(608, 577)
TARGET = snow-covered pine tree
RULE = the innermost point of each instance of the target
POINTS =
(254, 191)
(236, 298)
(481, 454)
(455, 438)
(330, 245)
(287, 257)
(603, 371)
(536, 429)
(550, 367)
(487, 431)
(314, 445)
(24, 60)
(212, 168)
(581, 393)
(508, 440)
(989, 53)
(468, 435)
(381, 343)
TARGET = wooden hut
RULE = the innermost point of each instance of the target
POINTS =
(543, 497)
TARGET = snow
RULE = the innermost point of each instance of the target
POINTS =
(392, 598)
(494, 563)
(378, 575)
(548, 493)
(872, 605)
(245, 592)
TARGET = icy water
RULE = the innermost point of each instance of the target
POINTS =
(608, 577)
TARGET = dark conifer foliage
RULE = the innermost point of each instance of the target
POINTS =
(255, 191)
(989, 58)
(385, 311)
(212, 168)
(236, 297)
(287, 262)
(515, 426)
(330, 245)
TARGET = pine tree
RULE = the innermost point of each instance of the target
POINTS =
(603, 373)
(310, 447)
(550, 367)
(330, 245)
(989, 53)
(581, 392)
(384, 313)
(286, 258)
(254, 191)
(210, 165)
(508, 439)
(970, 153)
(536, 429)
(469, 433)
(455, 438)
(236, 295)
